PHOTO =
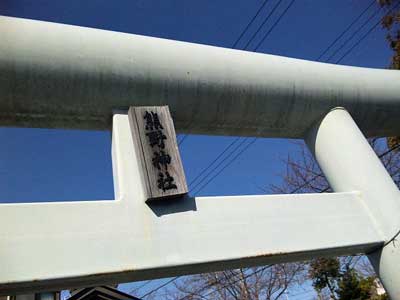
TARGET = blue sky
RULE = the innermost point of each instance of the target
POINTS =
(55, 165)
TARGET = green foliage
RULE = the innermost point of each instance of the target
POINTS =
(350, 287)
(343, 282)
(324, 273)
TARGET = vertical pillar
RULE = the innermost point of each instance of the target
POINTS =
(350, 164)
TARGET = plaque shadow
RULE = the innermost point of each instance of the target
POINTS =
(172, 205)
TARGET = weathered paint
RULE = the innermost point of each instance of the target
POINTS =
(61, 76)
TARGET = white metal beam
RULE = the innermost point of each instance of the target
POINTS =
(56, 75)
(52, 246)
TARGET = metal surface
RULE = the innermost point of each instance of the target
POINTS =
(53, 246)
(387, 263)
(349, 164)
(54, 75)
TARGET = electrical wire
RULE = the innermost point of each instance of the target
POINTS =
(235, 44)
(221, 162)
(182, 139)
(292, 192)
(226, 149)
(380, 156)
(271, 29)
(359, 29)
(346, 30)
(249, 24)
(218, 157)
(140, 287)
(262, 24)
(364, 36)
(160, 287)
(254, 140)
(255, 49)
(274, 25)
(227, 165)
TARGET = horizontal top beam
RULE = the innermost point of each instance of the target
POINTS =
(61, 76)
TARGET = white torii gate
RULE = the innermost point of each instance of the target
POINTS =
(61, 76)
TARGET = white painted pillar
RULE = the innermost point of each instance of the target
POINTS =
(349, 163)
(57, 75)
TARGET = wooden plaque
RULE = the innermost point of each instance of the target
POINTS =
(154, 136)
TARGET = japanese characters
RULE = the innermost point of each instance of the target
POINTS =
(161, 159)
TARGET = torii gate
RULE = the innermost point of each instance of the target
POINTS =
(60, 76)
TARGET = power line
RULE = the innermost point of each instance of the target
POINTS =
(182, 139)
(274, 25)
(235, 44)
(346, 30)
(223, 152)
(380, 156)
(161, 286)
(138, 288)
(365, 35)
(244, 149)
(389, 150)
(249, 24)
(292, 192)
(237, 139)
(262, 24)
(326, 189)
(226, 149)
(354, 34)
(254, 140)
(228, 164)
(255, 49)
(358, 30)
(221, 162)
